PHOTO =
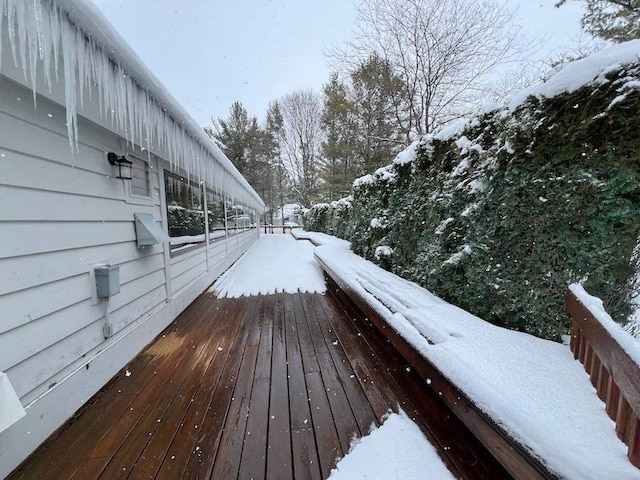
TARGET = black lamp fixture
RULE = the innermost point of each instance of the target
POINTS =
(124, 165)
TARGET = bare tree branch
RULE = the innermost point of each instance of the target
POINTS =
(443, 50)
(301, 141)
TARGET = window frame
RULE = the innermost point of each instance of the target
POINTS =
(135, 198)
(219, 199)
(182, 249)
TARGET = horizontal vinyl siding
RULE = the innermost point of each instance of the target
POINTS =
(185, 261)
(28, 238)
(217, 253)
(183, 280)
(60, 214)
(21, 273)
(36, 205)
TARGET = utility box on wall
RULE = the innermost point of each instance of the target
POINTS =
(107, 281)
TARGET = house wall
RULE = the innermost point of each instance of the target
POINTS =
(60, 214)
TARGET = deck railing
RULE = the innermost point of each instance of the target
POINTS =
(613, 373)
(279, 228)
(516, 459)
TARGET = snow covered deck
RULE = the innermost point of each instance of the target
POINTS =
(268, 386)
(274, 372)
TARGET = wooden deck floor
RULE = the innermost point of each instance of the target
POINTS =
(262, 387)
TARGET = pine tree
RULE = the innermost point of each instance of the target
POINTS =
(339, 147)
(234, 134)
(377, 96)
(246, 144)
(360, 122)
(615, 20)
(273, 138)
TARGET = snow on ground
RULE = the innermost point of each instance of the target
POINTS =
(398, 450)
(533, 388)
(275, 263)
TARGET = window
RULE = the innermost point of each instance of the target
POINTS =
(215, 211)
(238, 218)
(185, 212)
(139, 177)
(232, 218)
(139, 190)
(244, 218)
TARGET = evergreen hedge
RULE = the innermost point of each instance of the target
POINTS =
(501, 215)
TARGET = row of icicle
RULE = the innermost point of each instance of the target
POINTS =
(41, 34)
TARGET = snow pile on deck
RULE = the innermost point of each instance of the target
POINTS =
(397, 450)
(531, 387)
(275, 263)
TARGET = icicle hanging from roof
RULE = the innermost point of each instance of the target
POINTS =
(40, 31)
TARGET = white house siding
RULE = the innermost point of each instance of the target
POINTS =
(59, 215)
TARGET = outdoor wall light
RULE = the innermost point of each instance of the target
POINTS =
(124, 165)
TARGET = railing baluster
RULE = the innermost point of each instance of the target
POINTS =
(622, 419)
(582, 348)
(603, 383)
(578, 341)
(586, 358)
(609, 366)
(634, 442)
(613, 399)
(594, 370)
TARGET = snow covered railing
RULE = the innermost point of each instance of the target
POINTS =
(525, 398)
(612, 359)
(280, 228)
(516, 459)
(318, 238)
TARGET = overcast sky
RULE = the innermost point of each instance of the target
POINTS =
(209, 53)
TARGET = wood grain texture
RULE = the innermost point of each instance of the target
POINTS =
(513, 456)
(259, 387)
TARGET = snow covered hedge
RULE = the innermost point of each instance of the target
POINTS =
(499, 213)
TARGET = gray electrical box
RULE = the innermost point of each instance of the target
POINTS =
(107, 281)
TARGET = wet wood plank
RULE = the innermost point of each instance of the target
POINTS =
(234, 431)
(210, 433)
(260, 387)
(305, 454)
(279, 453)
(324, 429)
(184, 378)
(254, 452)
(343, 416)
(190, 398)
(368, 406)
